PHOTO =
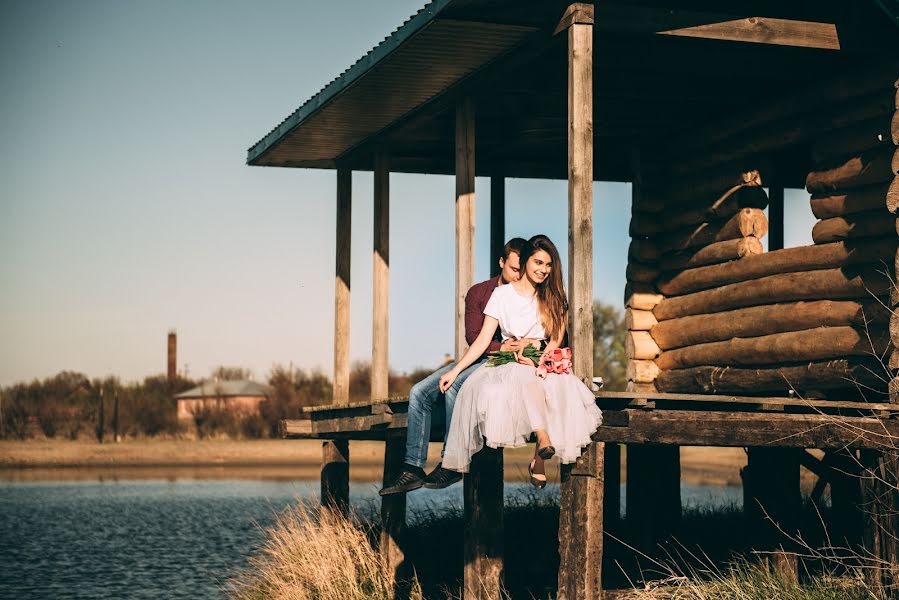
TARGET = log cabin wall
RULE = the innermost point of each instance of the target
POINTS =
(724, 317)
(720, 220)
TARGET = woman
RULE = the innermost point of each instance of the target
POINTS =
(505, 404)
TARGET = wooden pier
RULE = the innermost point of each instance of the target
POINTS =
(711, 118)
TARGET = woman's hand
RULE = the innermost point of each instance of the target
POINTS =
(447, 379)
(522, 359)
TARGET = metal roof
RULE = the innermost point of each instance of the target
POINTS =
(408, 54)
(215, 389)
(648, 89)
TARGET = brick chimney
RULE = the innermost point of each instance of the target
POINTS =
(173, 360)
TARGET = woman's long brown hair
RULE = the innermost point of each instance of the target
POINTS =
(551, 299)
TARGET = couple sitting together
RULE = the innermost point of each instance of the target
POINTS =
(503, 405)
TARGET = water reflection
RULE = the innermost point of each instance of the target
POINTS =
(168, 538)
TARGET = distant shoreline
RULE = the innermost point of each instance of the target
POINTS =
(49, 460)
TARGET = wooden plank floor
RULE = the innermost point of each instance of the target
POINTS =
(680, 419)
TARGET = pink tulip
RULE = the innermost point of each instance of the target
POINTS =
(541, 372)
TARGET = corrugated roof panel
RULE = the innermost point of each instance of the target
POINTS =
(441, 54)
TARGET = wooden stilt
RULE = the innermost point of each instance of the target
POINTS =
(497, 222)
(342, 288)
(653, 493)
(465, 214)
(381, 279)
(581, 527)
(581, 510)
(393, 508)
(772, 502)
(880, 503)
(483, 493)
(335, 475)
(611, 496)
(847, 518)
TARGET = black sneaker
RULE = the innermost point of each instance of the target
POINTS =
(440, 478)
(410, 479)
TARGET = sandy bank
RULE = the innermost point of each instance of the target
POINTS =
(270, 459)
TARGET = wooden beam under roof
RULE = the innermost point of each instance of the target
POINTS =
(718, 26)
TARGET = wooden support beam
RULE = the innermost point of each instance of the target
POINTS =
(342, 288)
(775, 217)
(581, 526)
(653, 493)
(483, 508)
(393, 508)
(497, 222)
(880, 502)
(611, 497)
(465, 213)
(735, 429)
(580, 519)
(580, 194)
(765, 30)
(772, 499)
(335, 475)
(381, 279)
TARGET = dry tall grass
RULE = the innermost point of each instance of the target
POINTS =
(744, 580)
(316, 554)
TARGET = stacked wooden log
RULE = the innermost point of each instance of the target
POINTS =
(641, 296)
(810, 319)
(720, 220)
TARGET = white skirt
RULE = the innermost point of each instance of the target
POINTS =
(504, 405)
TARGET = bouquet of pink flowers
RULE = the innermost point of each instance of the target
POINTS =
(556, 361)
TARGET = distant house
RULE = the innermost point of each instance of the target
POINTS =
(240, 397)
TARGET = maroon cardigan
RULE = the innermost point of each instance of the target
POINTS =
(475, 303)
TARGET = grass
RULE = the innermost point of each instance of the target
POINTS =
(322, 555)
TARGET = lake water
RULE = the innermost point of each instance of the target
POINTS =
(179, 538)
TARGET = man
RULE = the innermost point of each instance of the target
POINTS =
(426, 393)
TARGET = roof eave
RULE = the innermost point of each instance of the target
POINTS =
(382, 51)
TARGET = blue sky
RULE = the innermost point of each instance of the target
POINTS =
(127, 209)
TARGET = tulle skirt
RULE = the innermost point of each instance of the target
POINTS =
(504, 405)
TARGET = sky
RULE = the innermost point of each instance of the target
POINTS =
(127, 208)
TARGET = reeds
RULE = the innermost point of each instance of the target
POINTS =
(317, 554)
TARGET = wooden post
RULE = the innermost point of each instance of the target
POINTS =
(611, 509)
(775, 217)
(581, 526)
(880, 503)
(335, 475)
(653, 493)
(497, 222)
(342, 288)
(483, 497)
(393, 507)
(465, 214)
(381, 279)
(581, 510)
(773, 503)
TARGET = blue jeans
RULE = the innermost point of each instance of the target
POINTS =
(423, 397)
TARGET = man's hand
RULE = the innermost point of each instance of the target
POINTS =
(512, 346)
(446, 380)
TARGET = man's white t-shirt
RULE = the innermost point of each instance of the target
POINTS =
(518, 316)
